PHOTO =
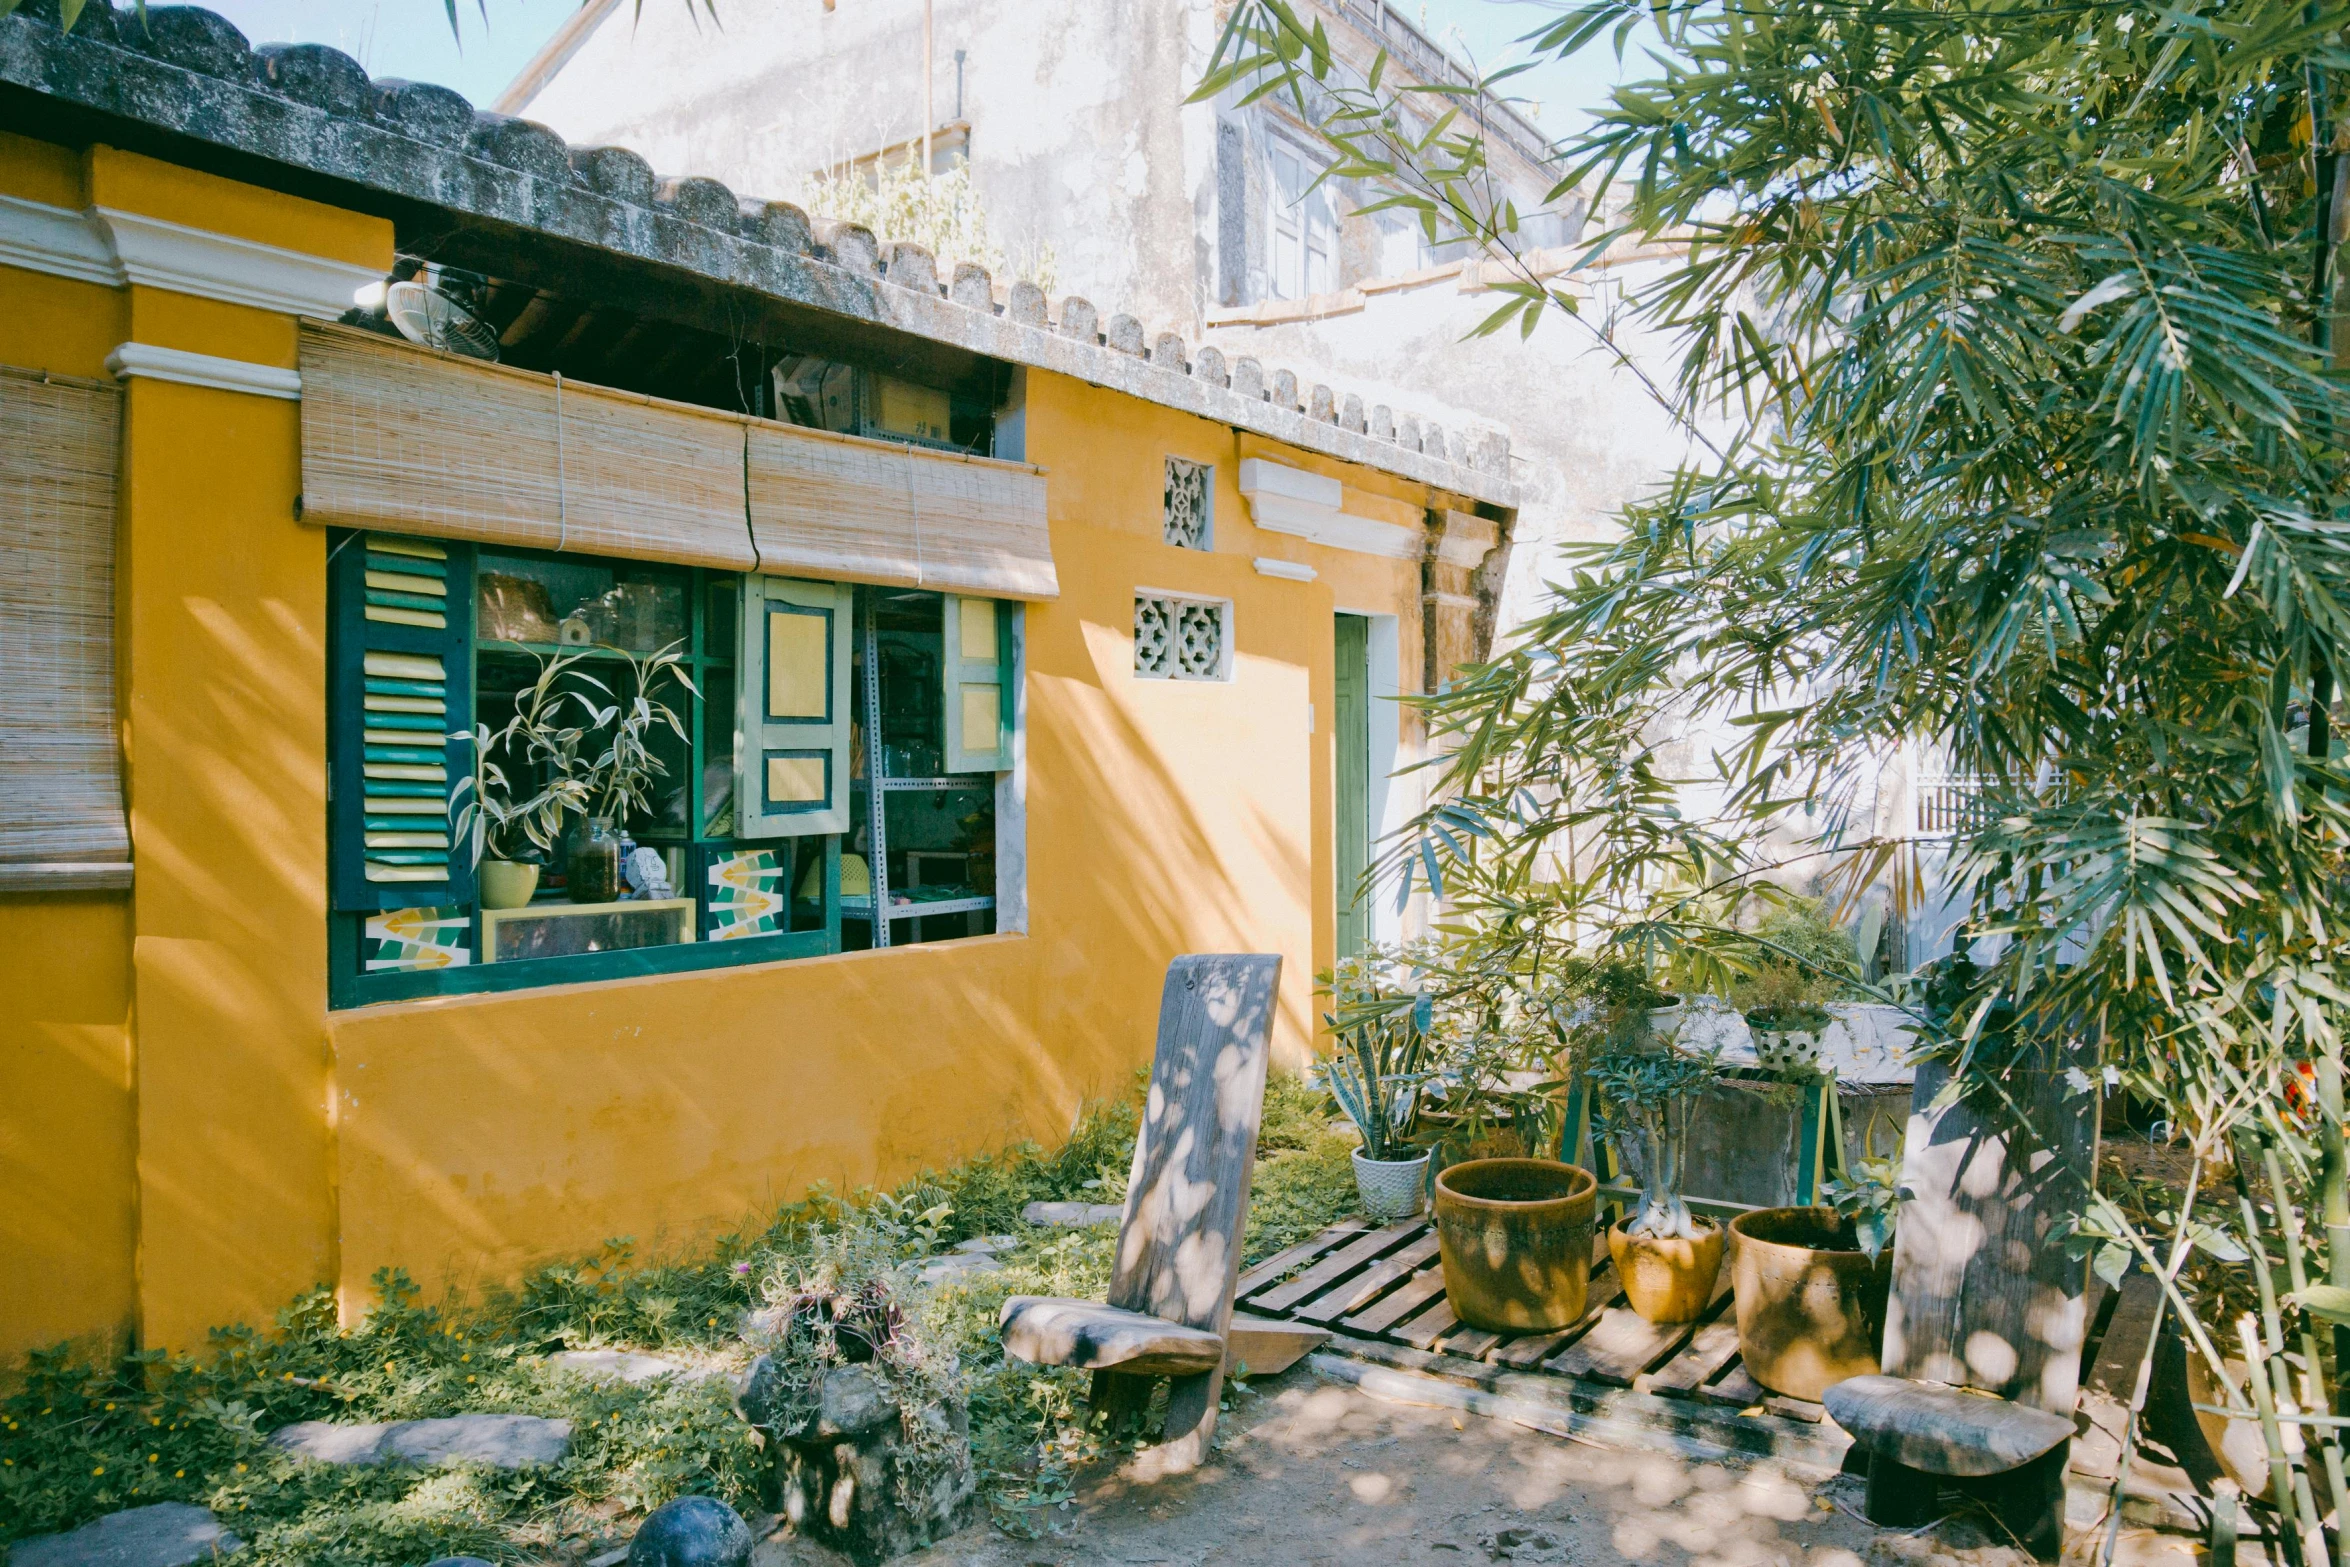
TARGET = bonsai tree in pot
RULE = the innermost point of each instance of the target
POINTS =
(1666, 1257)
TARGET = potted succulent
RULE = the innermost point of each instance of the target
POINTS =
(1809, 1284)
(1666, 1257)
(1376, 1075)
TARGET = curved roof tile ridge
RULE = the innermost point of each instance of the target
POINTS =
(191, 73)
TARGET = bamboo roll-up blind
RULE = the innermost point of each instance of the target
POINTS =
(833, 509)
(400, 438)
(61, 808)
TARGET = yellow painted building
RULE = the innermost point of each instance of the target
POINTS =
(209, 1101)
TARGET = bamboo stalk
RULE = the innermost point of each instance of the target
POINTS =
(2283, 1495)
(2313, 1389)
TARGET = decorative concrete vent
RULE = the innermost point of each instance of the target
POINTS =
(1189, 523)
(1180, 639)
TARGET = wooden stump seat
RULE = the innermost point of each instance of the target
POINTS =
(1170, 1306)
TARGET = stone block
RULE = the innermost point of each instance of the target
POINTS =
(318, 76)
(614, 1365)
(1407, 431)
(190, 36)
(957, 1265)
(1208, 365)
(1322, 405)
(776, 223)
(698, 200)
(96, 22)
(972, 288)
(168, 1534)
(1285, 390)
(1074, 1215)
(692, 1531)
(1248, 378)
(425, 112)
(1382, 423)
(522, 145)
(1432, 442)
(851, 247)
(1080, 320)
(1124, 334)
(1025, 304)
(502, 1441)
(1350, 415)
(1168, 351)
(615, 172)
(911, 266)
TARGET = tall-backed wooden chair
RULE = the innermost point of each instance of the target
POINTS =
(1984, 1328)
(1170, 1305)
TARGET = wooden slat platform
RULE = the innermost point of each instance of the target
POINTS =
(1384, 1287)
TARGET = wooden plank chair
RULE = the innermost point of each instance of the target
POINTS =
(1170, 1308)
(1984, 1328)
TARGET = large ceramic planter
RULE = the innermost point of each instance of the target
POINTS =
(1810, 1310)
(507, 884)
(1391, 1188)
(1667, 1279)
(1515, 1238)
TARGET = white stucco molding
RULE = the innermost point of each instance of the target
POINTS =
(134, 360)
(1306, 506)
(62, 243)
(116, 248)
(1286, 570)
(157, 254)
(1466, 539)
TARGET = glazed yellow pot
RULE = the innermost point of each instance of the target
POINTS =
(507, 884)
(1515, 1236)
(1667, 1280)
(1810, 1310)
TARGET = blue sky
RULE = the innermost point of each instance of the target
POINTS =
(410, 38)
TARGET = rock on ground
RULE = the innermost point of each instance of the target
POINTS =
(958, 1265)
(1073, 1215)
(614, 1365)
(169, 1534)
(502, 1441)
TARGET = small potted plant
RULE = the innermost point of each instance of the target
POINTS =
(1786, 1010)
(1375, 1075)
(489, 817)
(1666, 1257)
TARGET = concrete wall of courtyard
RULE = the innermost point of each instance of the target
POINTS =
(190, 1137)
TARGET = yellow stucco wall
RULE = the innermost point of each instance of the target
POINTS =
(202, 1138)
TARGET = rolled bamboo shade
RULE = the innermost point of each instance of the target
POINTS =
(401, 438)
(61, 810)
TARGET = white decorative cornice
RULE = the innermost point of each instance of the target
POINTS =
(222, 375)
(1286, 570)
(157, 254)
(1306, 506)
(116, 248)
(42, 238)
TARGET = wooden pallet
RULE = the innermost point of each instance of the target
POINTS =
(1382, 1293)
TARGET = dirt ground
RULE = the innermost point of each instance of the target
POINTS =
(1308, 1472)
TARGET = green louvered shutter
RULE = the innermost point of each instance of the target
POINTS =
(399, 684)
(978, 672)
(792, 709)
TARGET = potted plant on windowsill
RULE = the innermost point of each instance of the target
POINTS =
(619, 781)
(1666, 1257)
(489, 817)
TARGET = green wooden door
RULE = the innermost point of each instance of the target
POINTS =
(1352, 725)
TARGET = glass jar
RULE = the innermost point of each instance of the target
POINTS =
(593, 869)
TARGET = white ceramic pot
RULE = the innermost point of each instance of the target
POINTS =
(1392, 1188)
(1787, 1049)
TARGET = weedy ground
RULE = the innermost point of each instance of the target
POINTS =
(80, 1438)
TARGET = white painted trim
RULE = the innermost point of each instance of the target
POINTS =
(209, 370)
(1286, 570)
(1305, 505)
(157, 254)
(42, 238)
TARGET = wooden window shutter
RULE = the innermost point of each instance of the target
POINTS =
(978, 671)
(62, 823)
(400, 677)
(792, 728)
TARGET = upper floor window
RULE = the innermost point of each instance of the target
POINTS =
(1304, 230)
